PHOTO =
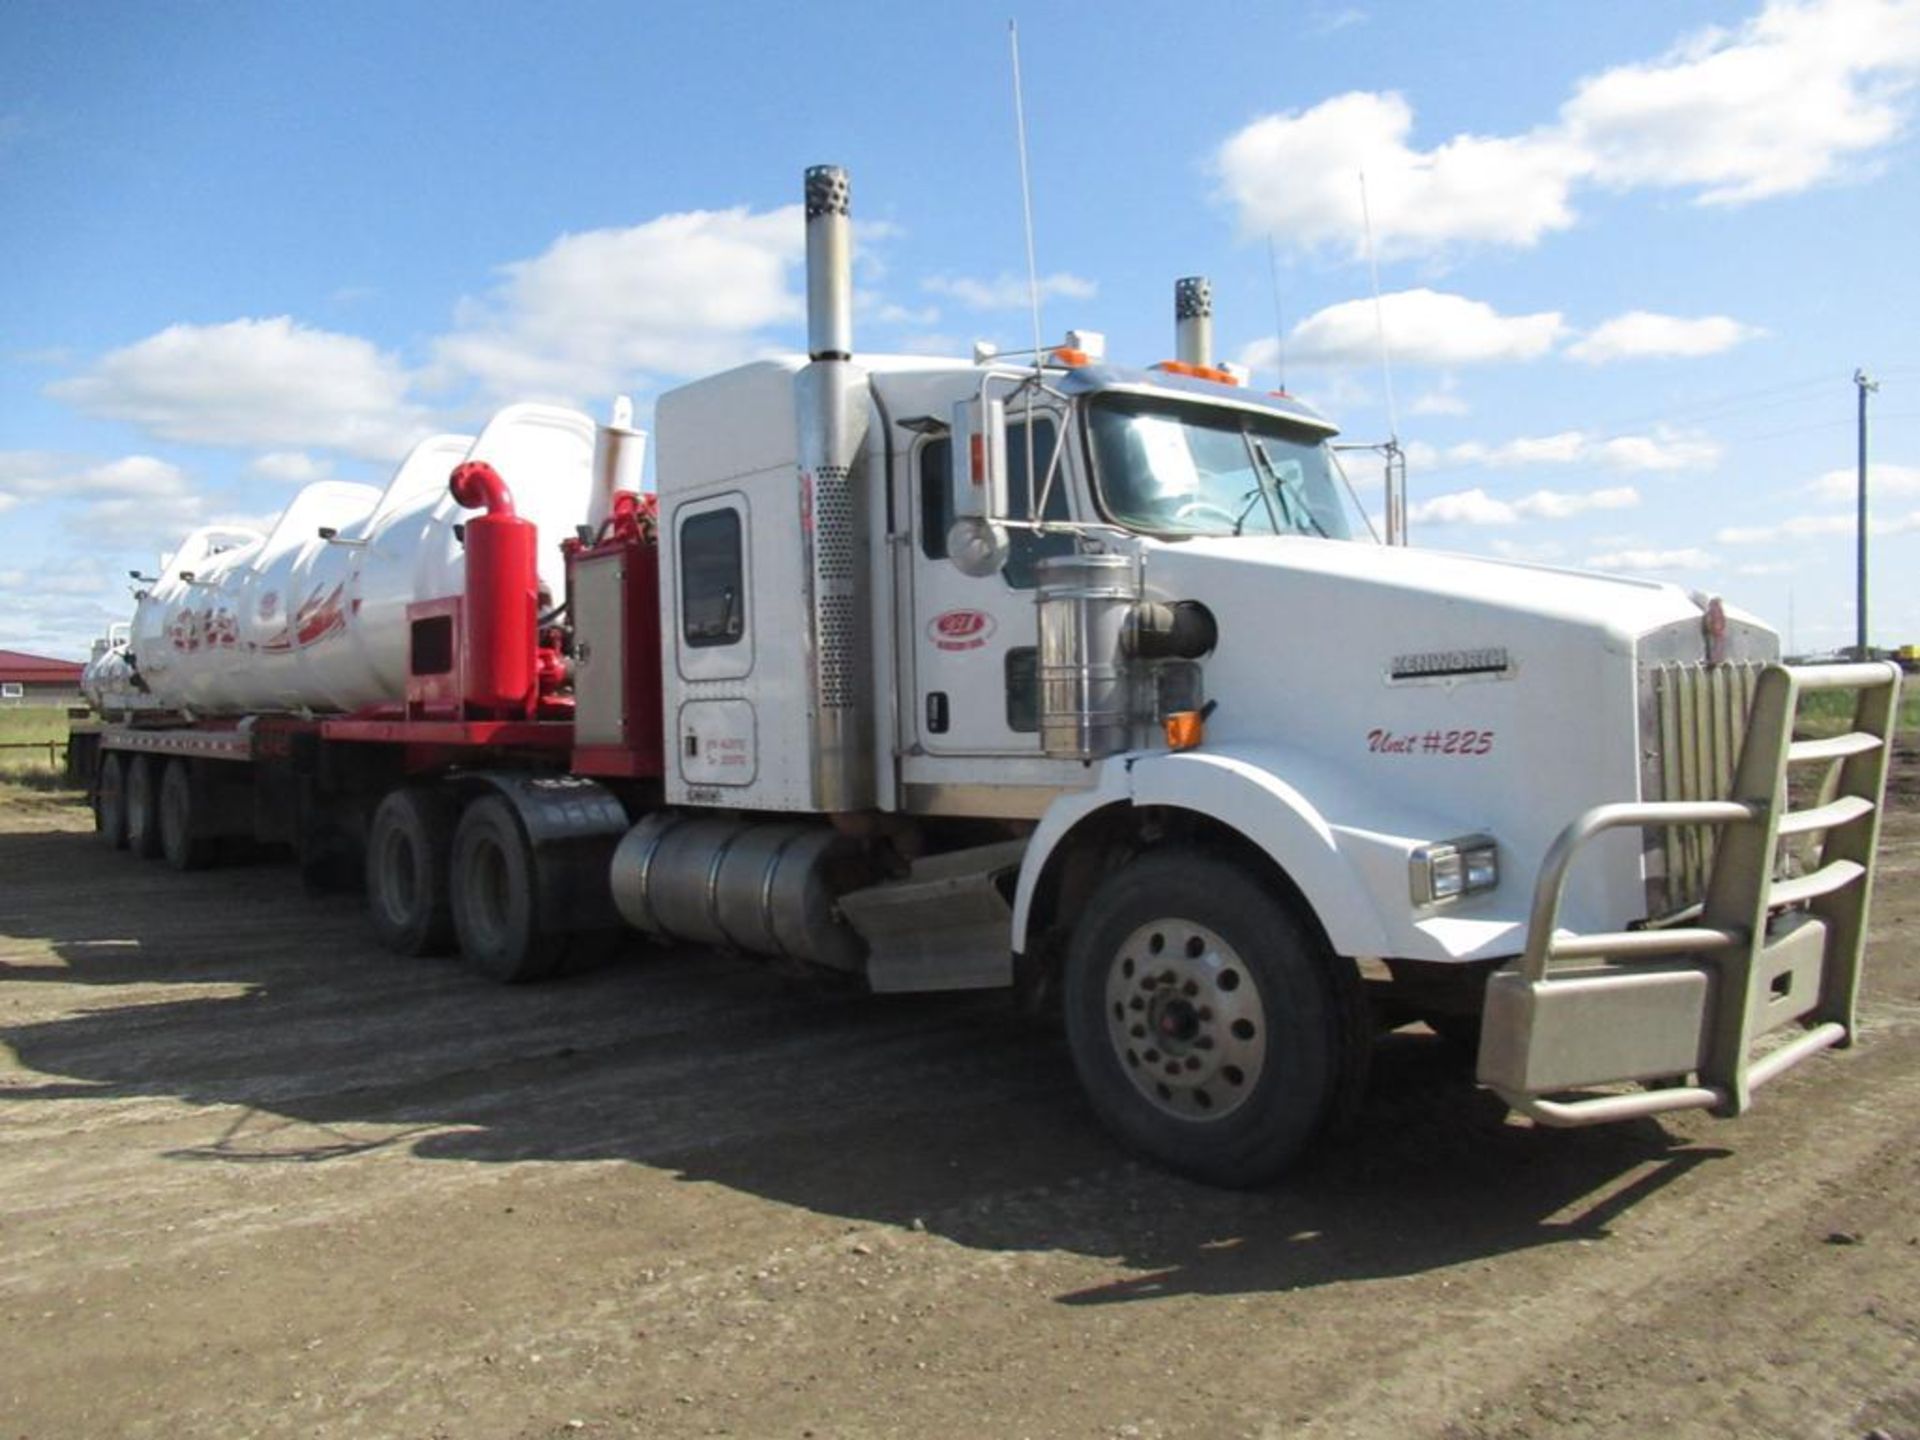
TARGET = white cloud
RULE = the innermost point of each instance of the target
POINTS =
(1883, 481)
(271, 383)
(1007, 291)
(1807, 527)
(7, 502)
(1642, 334)
(1296, 176)
(932, 344)
(888, 312)
(1560, 504)
(1443, 399)
(1424, 327)
(1653, 561)
(1326, 21)
(1663, 451)
(1784, 102)
(1462, 507)
(38, 475)
(598, 312)
(1776, 106)
(1537, 553)
(1476, 507)
(289, 467)
(1562, 449)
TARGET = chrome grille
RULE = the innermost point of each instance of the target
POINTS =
(1699, 720)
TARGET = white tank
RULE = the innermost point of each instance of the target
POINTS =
(107, 682)
(291, 620)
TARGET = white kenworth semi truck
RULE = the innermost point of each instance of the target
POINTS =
(1038, 673)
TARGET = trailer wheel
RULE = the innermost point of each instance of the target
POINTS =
(409, 849)
(1205, 1021)
(180, 818)
(143, 807)
(110, 799)
(496, 912)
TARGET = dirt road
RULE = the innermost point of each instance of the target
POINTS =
(258, 1178)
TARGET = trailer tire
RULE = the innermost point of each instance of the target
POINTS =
(409, 852)
(180, 818)
(110, 799)
(1206, 1021)
(495, 903)
(143, 807)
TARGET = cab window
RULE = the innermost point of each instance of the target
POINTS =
(1027, 549)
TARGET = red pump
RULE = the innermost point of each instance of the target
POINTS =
(502, 608)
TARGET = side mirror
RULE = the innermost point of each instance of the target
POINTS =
(976, 543)
(980, 459)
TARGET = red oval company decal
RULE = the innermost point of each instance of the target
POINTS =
(960, 629)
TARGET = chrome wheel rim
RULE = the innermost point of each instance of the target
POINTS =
(1186, 1020)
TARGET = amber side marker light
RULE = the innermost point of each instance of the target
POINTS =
(1185, 729)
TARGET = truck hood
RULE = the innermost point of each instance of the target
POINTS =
(1623, 606)
(1486, 697)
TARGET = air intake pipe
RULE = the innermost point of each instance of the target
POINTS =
(832, 406)
(1193, 321)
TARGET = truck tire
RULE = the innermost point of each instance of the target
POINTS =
(409, 850)
(110, 799)
(143, 806)
(180, 818)
(1205, 1020)
(496, 911)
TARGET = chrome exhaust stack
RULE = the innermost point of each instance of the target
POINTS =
(829, 264)
(831, 402)
(1193, 320)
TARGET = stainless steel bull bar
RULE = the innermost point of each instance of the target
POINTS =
(1679, 1009)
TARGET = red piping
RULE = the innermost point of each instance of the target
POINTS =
(475, 483)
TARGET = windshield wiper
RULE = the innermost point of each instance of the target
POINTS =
(1263, 469)
(1263, 462)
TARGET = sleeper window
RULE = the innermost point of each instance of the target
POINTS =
(713, 602)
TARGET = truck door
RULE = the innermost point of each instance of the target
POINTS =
(974, 639)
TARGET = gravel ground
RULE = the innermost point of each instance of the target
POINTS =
(258, 1178)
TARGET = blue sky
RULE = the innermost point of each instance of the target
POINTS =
(1630, 254)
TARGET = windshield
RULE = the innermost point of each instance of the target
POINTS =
(1172, 467)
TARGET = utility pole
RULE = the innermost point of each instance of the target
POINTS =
(1866, 386)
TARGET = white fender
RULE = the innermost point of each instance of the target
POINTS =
(1339, 868)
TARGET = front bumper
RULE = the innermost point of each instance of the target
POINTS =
(1762, 974)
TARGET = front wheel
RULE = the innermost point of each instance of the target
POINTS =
(1204, 1019)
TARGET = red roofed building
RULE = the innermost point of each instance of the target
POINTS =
(37, 680)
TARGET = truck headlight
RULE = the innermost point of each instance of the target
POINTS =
(1444, 871)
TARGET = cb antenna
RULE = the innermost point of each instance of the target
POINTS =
(1396, 458)
(1026, 189)
(1279, 325)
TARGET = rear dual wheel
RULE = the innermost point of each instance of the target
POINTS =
(409, 849)
(1209, 1027)
(507, 923)
(495, 898)
(143, 806)
(182, 821)
(110, 799)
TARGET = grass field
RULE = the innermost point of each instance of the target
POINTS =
(1830, 712)
(26, 732)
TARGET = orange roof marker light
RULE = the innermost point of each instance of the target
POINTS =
(1219, 375)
